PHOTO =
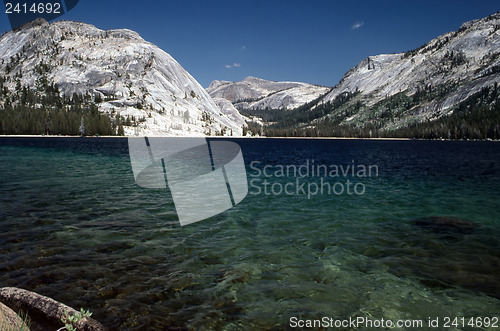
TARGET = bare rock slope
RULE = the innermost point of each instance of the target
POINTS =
(133, 77)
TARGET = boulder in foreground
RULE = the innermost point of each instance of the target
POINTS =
(44, 313)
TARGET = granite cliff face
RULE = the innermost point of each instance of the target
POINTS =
(458, 63)
(383, 93)
(131, 76)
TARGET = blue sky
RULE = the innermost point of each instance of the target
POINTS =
(314, 41)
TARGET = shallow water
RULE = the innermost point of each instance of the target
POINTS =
(76, 227)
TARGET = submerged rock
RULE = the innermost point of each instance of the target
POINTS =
(450, 253)
(44, 313)
(443, 224)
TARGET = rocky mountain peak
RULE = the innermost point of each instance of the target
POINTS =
(405, 93)
(125, 74)
(37, 22)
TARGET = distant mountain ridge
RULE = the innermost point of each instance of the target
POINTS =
(121, 73)
(70, 72)
(256, 93)
(389, 94)
(467, 58)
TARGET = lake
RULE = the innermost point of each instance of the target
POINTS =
(329, 228)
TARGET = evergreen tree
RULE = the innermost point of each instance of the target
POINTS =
(82, 127)
(45, 111)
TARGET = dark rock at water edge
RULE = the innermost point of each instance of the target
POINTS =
(44, 313)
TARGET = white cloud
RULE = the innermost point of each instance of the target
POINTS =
(234, 65)
(357, 25)
(243, 47)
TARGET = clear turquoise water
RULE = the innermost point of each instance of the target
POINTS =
(75, 226)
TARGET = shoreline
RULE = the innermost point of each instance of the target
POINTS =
(241, 137)
(211, 137)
